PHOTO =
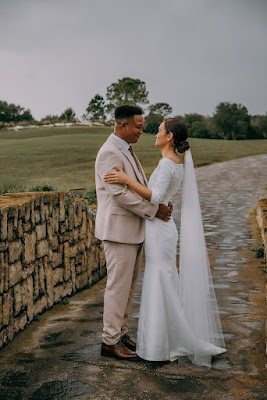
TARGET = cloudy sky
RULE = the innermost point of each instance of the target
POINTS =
(191, 54)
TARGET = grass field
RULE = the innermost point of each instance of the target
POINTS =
(64, 156)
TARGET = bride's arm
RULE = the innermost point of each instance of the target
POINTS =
(120, 177)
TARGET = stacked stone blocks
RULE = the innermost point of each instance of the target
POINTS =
(262, 222)
(47, 252)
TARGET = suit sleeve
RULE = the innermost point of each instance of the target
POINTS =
(121, 194)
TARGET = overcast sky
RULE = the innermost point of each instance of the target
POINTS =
(192, 54)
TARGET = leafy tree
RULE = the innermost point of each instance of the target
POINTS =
(259, 126)
(68, 115)
(51, 118)
(5, 115)
(180, 117)
(162, 109)
(199, 129)
(26, 115)
(14, 113)
(211, 128)
(126, 91)
(152, 122)
(198, 125)
(231, 121)
(96, 109)
(190, 119)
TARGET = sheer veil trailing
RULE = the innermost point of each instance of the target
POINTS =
(196, 290)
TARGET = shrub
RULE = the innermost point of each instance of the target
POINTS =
(199, 129)
(90, 196)
(11, 187)
(259, 250)
(44, 187)
(152, 123)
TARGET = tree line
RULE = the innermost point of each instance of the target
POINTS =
(11, 114)
(230, 120)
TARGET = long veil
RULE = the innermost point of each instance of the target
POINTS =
(196, 290)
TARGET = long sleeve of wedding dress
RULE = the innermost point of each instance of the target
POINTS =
(165, 181)
(164, 330)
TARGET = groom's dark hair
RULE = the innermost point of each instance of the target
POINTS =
(126, 112)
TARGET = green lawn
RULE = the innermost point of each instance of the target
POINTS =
(64, 156)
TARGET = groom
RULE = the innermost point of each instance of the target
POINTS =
(120, 224)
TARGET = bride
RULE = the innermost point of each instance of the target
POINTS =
(179, 316)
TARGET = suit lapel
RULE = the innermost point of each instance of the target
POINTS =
(142, 171)
(140, 175)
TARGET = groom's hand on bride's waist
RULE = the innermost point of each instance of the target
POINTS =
(170, 206)
(164, 212)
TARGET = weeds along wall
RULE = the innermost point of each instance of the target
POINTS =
(47, 252)
(262, 222)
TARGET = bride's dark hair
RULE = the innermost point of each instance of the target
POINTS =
(180, 133)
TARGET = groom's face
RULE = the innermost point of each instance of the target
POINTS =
(133, 128)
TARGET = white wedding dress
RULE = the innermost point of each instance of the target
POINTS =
(164, 332)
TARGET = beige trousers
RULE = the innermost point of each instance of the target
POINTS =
(123, 266)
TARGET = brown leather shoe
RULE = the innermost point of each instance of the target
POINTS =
(119, 351)
(129, 342)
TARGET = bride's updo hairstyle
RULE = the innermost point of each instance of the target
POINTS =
(180, 133)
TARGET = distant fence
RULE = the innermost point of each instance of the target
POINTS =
(47, 251)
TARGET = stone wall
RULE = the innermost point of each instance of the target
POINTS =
(47, 251)
(262, 222)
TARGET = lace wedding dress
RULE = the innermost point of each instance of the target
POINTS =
(164, 331)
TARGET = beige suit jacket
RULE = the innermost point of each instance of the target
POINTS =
(121, 213)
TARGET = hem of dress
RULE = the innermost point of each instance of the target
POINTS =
(147, 358)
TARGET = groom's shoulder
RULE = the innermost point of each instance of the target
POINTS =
(108, 147)
(108, 144)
